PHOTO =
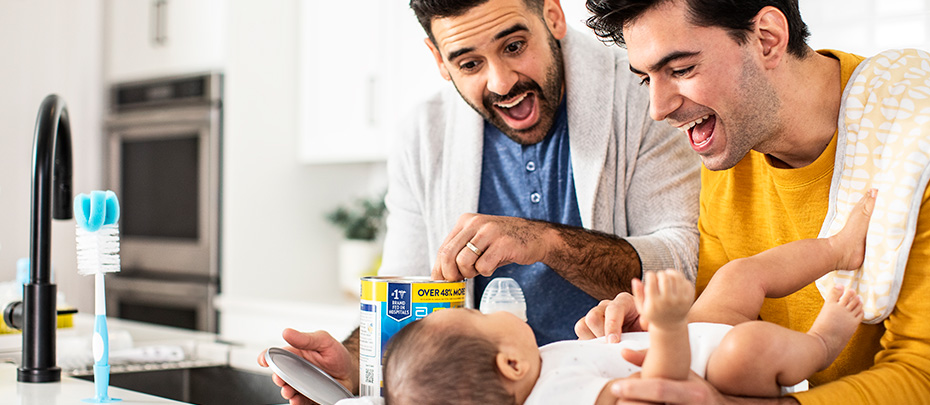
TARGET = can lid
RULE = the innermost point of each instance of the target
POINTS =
(306, 378)
(407, 279)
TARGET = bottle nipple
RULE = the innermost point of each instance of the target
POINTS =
(503, 294)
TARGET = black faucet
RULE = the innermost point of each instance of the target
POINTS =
(51, 183)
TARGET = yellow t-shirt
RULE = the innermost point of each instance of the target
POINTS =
(754, 206)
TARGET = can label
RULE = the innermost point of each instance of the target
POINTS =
(389, 303)
(398, 306)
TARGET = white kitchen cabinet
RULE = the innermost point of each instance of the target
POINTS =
(362, 69)
(148, 38)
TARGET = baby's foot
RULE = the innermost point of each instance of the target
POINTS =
(849, 242)
(837, 321)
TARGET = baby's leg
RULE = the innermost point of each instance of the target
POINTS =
(736, 292)
(757, 358)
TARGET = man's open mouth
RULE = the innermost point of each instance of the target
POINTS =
(519, 112)
(700, 131)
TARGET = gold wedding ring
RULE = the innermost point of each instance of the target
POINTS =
(473, 248)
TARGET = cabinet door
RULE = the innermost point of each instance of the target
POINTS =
(362, 69)
(148, 38)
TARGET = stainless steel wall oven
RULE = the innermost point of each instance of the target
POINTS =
(164, 146)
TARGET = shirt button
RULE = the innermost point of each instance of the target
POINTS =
(530, 166)
(535, 198)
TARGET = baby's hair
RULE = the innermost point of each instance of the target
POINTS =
(443, 366)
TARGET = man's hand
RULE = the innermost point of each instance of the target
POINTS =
(479, 244)
(610, 318)
(322, 350)
(694, 390)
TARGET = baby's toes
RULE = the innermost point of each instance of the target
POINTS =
(835, 294)
(848, 298)
(856, 306)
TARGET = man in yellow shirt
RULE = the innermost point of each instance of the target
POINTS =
(761, 109)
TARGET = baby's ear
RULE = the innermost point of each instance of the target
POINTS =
(511, 366)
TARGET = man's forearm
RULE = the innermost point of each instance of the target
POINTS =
(598, 263)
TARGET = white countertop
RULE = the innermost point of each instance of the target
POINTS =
(260, 321)
(69, 391)
(201, 348)
(256, 324)
(73, 344)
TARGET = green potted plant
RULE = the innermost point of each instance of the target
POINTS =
(359, 250)
(362, 221)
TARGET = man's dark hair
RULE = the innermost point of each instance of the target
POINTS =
(427, 10)
(449, 366)
(733, 15)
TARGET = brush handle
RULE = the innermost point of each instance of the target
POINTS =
(101, 347)
(100, 295)
(101, 340)
(101, 344)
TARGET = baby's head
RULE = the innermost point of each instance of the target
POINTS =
(461, 356)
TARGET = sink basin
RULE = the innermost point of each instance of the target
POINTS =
(203, 386)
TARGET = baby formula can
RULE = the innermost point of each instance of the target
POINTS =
(389, 303)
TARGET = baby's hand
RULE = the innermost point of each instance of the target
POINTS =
(665, 298)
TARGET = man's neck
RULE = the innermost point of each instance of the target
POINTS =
(811, 99)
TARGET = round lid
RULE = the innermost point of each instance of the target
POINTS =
(306, 378)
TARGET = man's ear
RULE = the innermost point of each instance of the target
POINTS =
(511, 366)
(555, 18)
(771, 32)
(438, 57)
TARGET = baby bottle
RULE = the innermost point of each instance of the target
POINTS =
(503, 294)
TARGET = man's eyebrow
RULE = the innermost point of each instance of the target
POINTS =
(664, 61)
(514, 28)
(458, 52)
(500, 35)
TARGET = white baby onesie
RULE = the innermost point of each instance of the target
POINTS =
(575, 371)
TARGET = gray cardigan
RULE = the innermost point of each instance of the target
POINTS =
(634, 177)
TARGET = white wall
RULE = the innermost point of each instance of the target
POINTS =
(575, 14)
(48, 46)
(276, 242)
(866, 27)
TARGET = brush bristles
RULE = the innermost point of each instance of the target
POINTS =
(98, 252)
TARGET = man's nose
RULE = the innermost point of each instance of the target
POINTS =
(501, 78)
(664, 98)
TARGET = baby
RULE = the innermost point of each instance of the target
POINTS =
(460, 356)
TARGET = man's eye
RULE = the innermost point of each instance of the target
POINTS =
(644, 81)
(468, 66)
(514, 47)
(682, 72)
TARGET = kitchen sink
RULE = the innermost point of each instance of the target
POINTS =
(203, 385)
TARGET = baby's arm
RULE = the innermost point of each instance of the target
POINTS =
(663, 302)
